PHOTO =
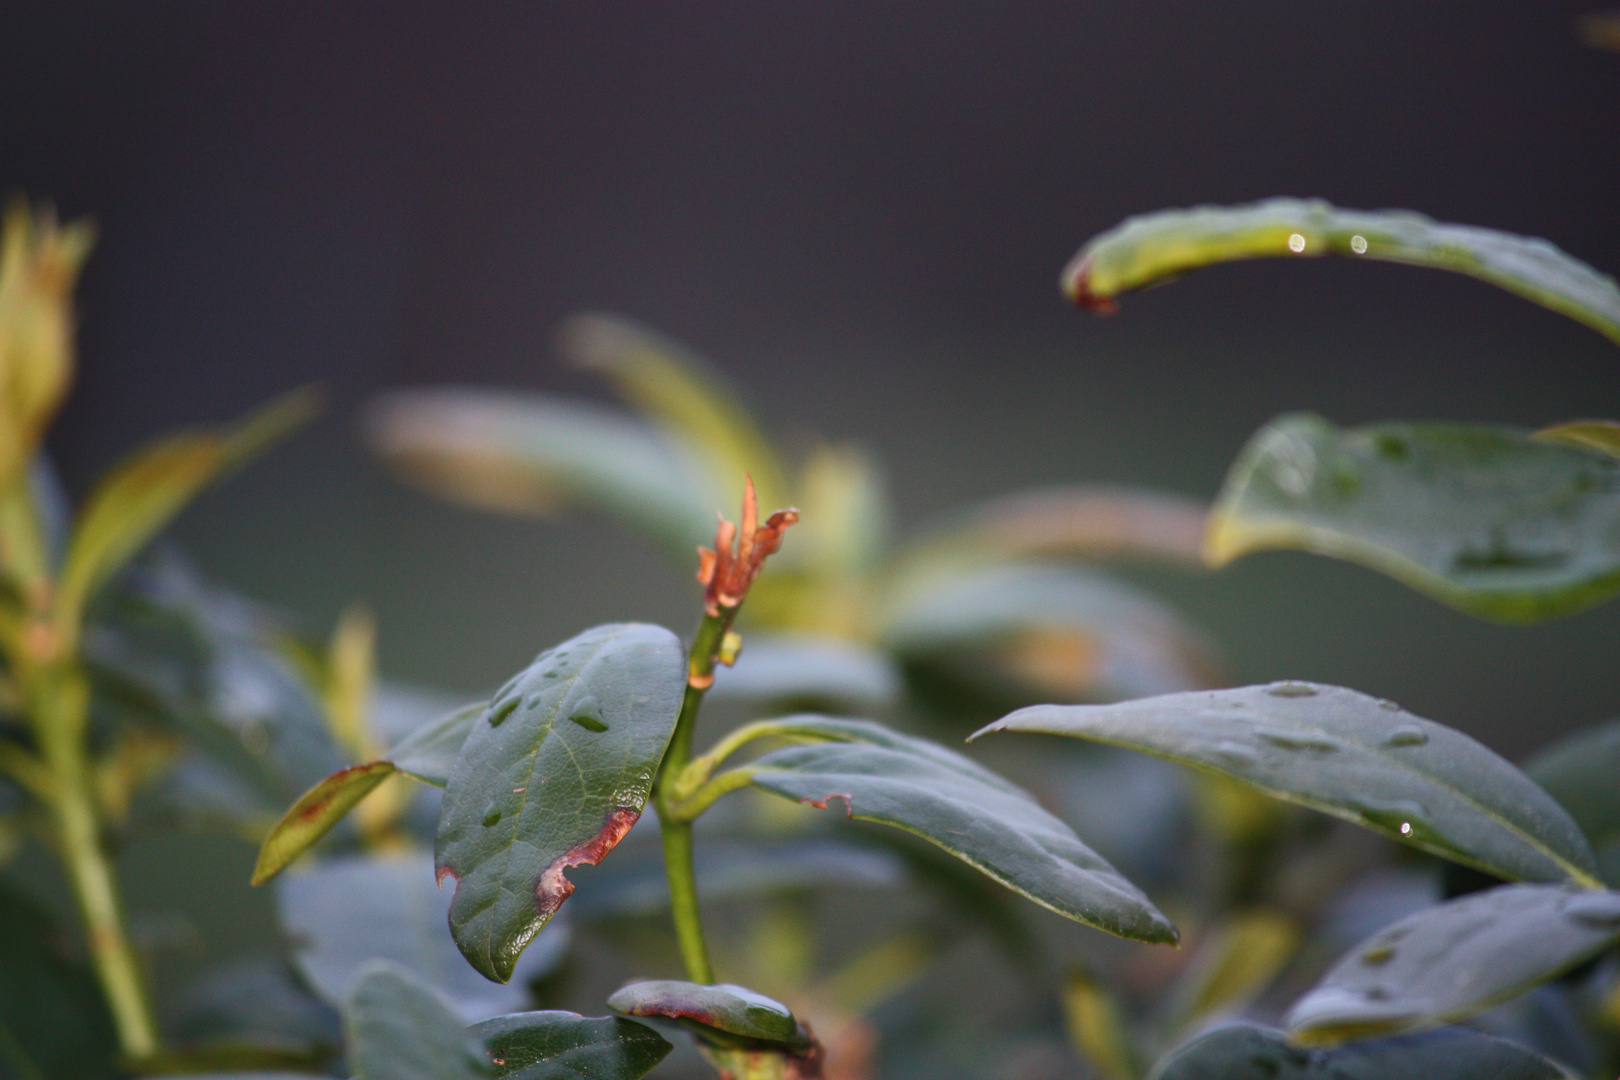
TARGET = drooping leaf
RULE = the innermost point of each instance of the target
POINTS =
(683, 393)
(974, 814)
(400, 1029)
(54, 1023)
(343, 913)
(556, 770)
(1052, 630)
(1451, 961)
(138, 497)
(1251, 1052)
(1356, 757)
(555, 1045)
(1600, 435)
(801, 668)
(1157, 247)
(1579, 771)
(531, 454)
(723, 1015)
(1488, 519)
(314, 814)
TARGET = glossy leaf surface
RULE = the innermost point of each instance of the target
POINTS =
(1451, 961)
(553, 1045)
(1356, 757)
(314, 814)
(399, 1029)
(531, 454)
(556, 770)
(1249, 1052)
(1579, 771)
(974, 814)
(1488, 519)
(1157, 247)
(721, 1015)
(343, 913)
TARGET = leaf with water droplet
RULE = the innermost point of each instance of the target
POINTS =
(1251, 1052)
(1488, 519)
(1450, 961)
(1445, 793)
(567, 794)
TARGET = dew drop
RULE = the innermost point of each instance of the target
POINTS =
(1406, 735)
(1297, 740)
(1291, 689)
(1388, 705)
(1235, 753)
(552, 674)
(1377, 992)
(1296, 242)
(1378, 955)
(588, 714)
(1406, 828)
(1358, 244)
(1599, 909)
(492, 815)
(503, 710)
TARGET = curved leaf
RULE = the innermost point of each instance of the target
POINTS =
(683, 393)
(554, 1045)
(399, 1029)
(1359, 758)
(343, 913)
(1250, 1052)
(969, 811)
(1579, 771)
(1057, 630)
(1600, 435)
(429, 753)
(724, 1015)
(1488, 519)
(314, 814)
(1449, 962)
(555, 772)
(1157, 247)
(531, 454)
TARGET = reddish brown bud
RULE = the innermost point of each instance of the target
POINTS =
(731, 568)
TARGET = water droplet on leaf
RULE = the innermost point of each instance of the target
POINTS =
(492, 815)
(1406, 735)
(588, 714)
(1388, 705)
(503, 710)
(1378, 954)
(1291, 689)
(1594, 908)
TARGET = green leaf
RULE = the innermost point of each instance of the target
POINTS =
(1579, 771)
(400, 1029)
(54, 1023)
(1250, 1052)
(429, 753)
(969, 811)
(555, 772)
(1051, 630)
(566, 1046)
(1353, 756)
(1600, 435)
(1156, 247)
(139, 496)
(684, 394)
(1448, 962)
(1236, 960)
(343, 913)
(314, 814)
(727, 1016)
(1488, 519)
(536, 455)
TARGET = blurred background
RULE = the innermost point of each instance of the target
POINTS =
(859, 211)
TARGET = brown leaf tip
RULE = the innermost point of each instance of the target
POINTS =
(1077, 286)
(738, 556)
(553, 887)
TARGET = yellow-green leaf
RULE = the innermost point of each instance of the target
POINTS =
(314, 814)
(1600, 435)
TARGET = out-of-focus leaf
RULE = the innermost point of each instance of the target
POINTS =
(800, 668)
(1157, 247)
(1579, 771)
(943, 797)
(1234, 965)
(1084, 520)
(1601, 30)
(530, 454)
(350, 675)
(1096, 1026)
(1449, 962)
(1250, 1052)
(255, 1004)
(845, 528)
(556, 770)
(343, 913)
(566, 1046)
(1359, 758)
(54, 1023)
(314, 814)
(1600, 435)
(683, 393)
(1488, 519)
(1054, 630)
(723, 1015)
(139, 496)
(400, 1029)
(429, 753)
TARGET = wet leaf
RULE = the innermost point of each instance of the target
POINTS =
(556, 770)
(400, 1029)
(969, 811)
(566, 1046)
(1448, 962)
(343, 913)
(684, 394)
(723, 1015)
(54, 1024)
(1600, 435)
(1353, 756)
(140, 495)
(802, 668)
(537, 455)
(314, 814)
(1156, 247)
(1488, 519)
(1051, 630)
(1250, 1052)
(1579, 771)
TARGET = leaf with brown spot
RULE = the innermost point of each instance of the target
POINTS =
(314, 814)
